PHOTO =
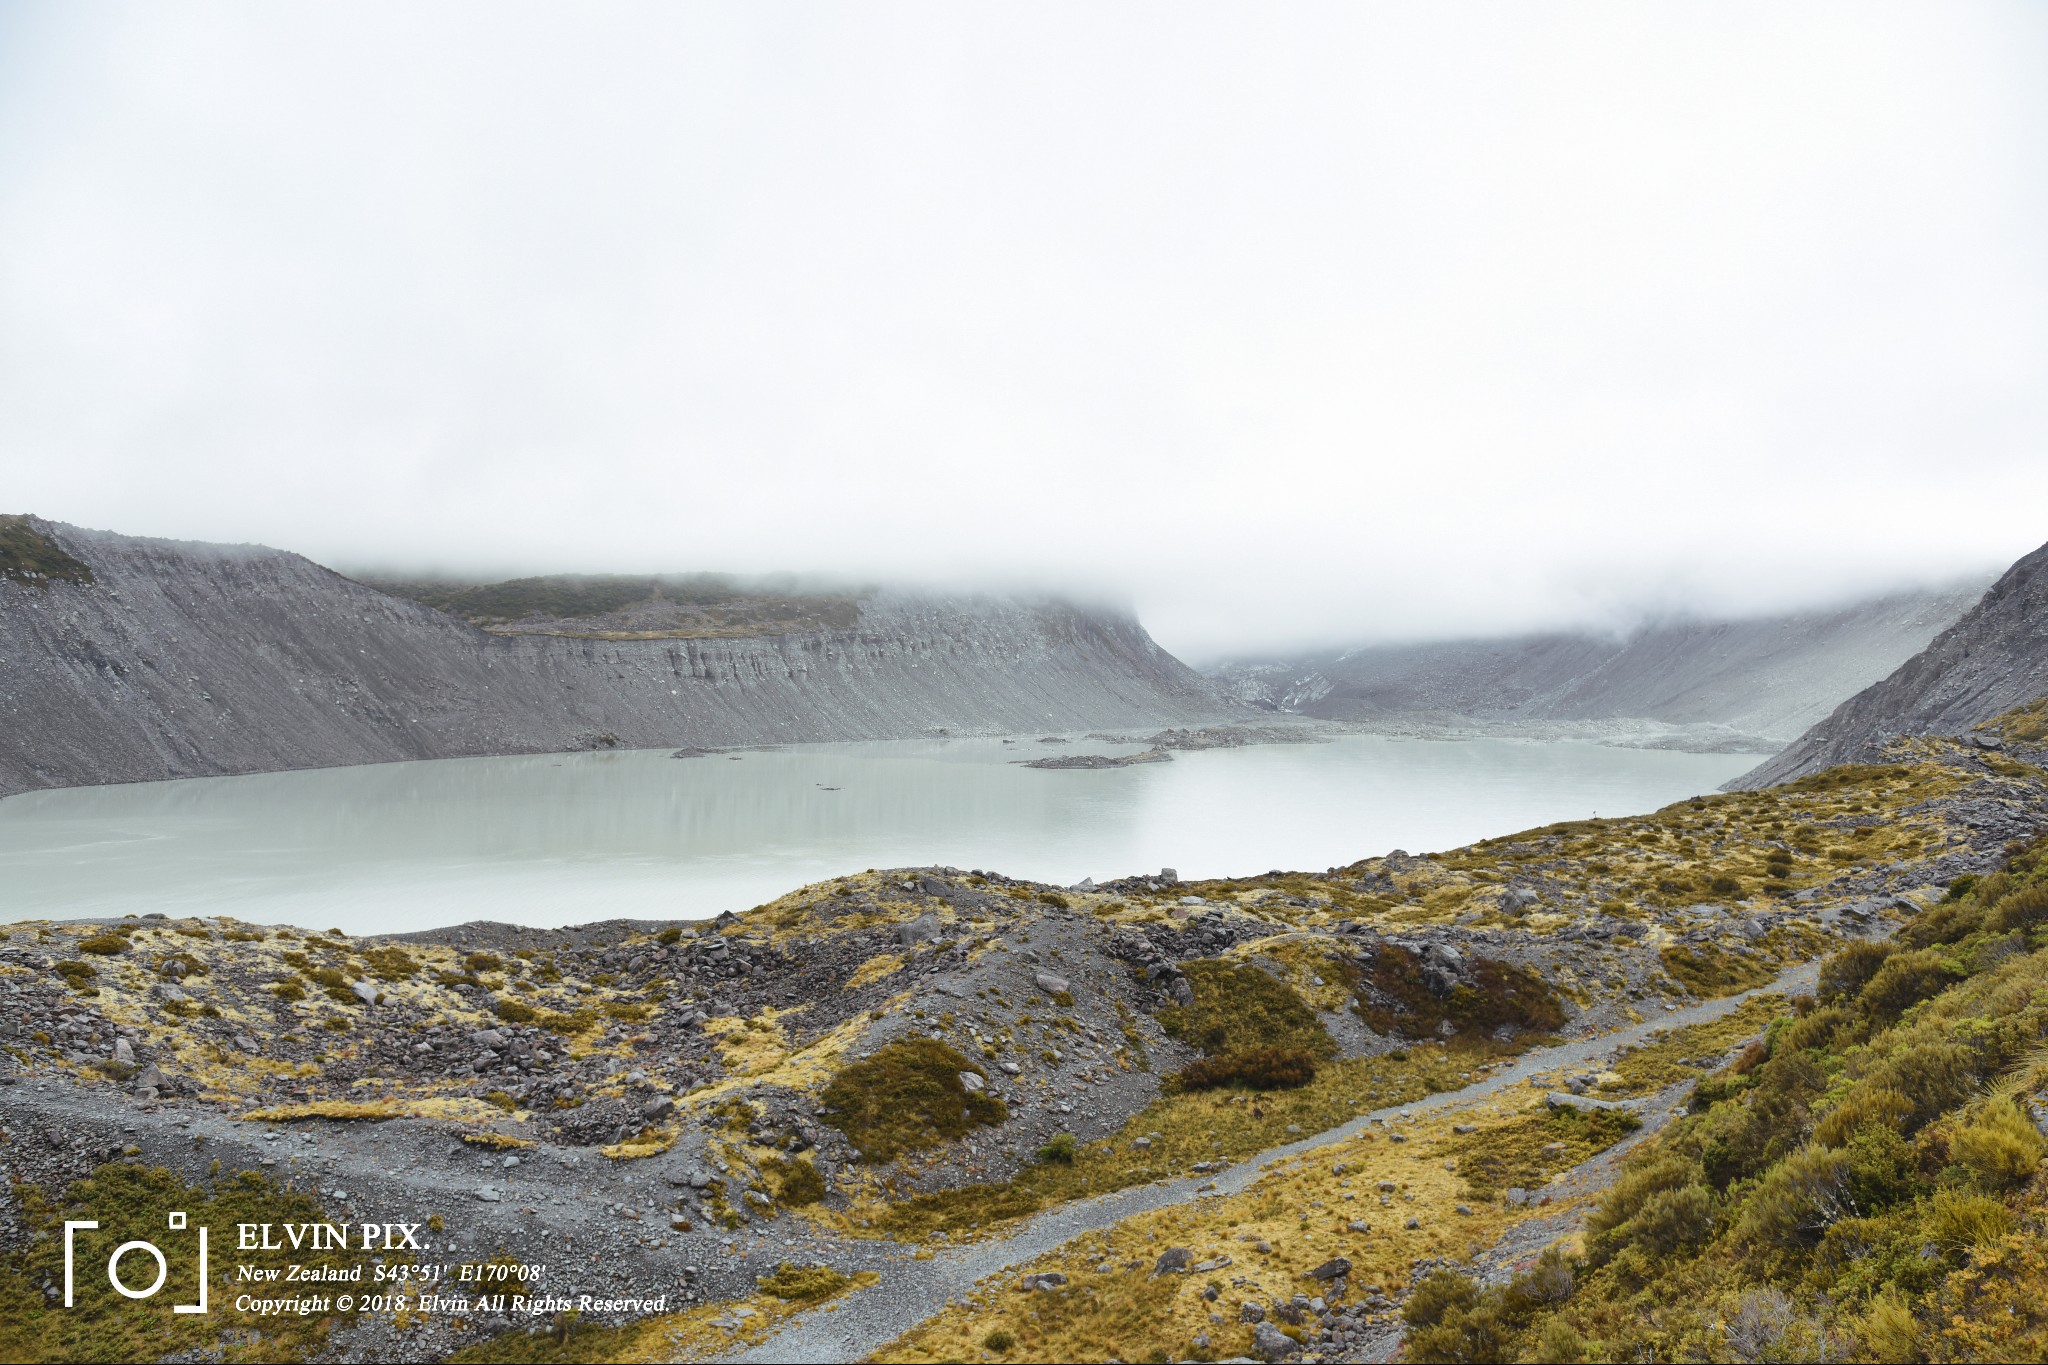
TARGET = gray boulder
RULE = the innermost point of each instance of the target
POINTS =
(1271, 1343)
(923, 929)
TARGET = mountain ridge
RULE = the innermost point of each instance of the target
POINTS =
(1993, 658)
(178, 659)
(1767, 677)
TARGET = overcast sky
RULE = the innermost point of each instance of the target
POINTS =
(1282, 323)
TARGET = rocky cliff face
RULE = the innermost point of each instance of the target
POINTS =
(1770, 677)
(1995, 657)
(179, 659)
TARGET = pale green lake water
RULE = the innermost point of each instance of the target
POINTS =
(566, 838)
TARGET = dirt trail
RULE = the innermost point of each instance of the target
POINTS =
(912, 1291)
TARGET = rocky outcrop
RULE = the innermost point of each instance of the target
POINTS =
(1769, 677)
(180, 659)
(1994, 658)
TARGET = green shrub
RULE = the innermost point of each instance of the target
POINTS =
(1709, 971)
(1797, 1200)
(2023, 909)
(1903, 981)
(1439, 1292)
(1866, 1105)
(104, 945)
(998, 1341)
(1260, 1068)
(1394, 996)
(1999, 1145)
(906, 1097)
(1934, 1076)
(797, 1182)
(805, 1283)
(390, 964)
(1655, 1189)
(1061, 1150)
(1241, 1009)
(1959, 1220)
(1845, 974)
(515, 1011)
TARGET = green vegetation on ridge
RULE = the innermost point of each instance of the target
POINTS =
(27, 555)
(1867, 1184)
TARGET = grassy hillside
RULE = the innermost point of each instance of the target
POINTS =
(1867, 1183)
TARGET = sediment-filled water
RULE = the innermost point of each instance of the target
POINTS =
(567, 838)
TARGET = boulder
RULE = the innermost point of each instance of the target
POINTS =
(923, 929)
(1050, 1279)
(1271, 1343)
(1172, 1261)
(1332, 1268)
(365, 992)
(971, 1082)
(1051, 983)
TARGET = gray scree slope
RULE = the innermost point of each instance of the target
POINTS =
(1993, 659)
(1770, 677)
(187, 659)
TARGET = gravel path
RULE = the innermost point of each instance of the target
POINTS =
(912, 1291)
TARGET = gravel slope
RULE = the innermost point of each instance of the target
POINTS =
(184, 659)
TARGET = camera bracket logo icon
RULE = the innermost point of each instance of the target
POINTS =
(176, 1222)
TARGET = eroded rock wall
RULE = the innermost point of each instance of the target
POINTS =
(182, 659)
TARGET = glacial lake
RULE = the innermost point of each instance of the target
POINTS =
(557, 839)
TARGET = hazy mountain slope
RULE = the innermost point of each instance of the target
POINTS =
(1995, 657)
(1770, 677)
(180, 659)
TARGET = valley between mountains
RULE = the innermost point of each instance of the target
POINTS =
(1209, 1119)
(1759, 1075)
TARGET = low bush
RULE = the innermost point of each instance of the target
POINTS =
(1243, 1009)
(804, 1283)
(1903, 981)
(1396, 996)
(1999, 1145)
(390, 964)
(1844, 975)
(1259, 1068)
(1061, 1150)
(906, 1097)
(797, 1182)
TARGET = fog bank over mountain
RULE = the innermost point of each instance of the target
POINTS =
(1364, 323)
